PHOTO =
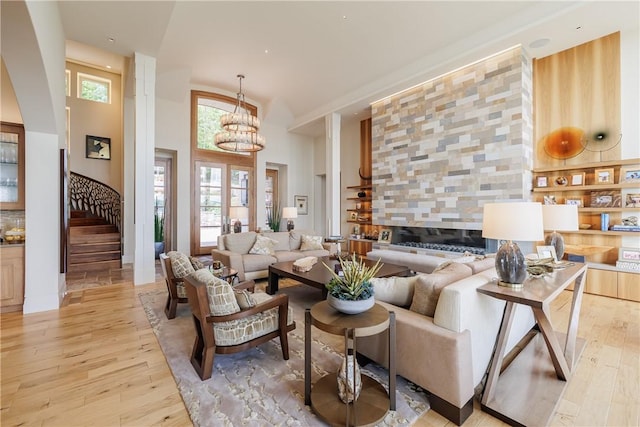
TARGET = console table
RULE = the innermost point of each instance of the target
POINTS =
(531, 386)
(373, 403)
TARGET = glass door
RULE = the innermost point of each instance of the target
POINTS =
(12, 166)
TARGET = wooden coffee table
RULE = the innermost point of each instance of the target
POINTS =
(318, 276)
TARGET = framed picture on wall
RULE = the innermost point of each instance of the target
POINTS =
(384, 236)
(630, 174)
(301, 202)
(577, 179)
(604, 176)
(98, 147)
(541, 181)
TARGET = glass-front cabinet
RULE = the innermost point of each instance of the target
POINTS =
(12, 166)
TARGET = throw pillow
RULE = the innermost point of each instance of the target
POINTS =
(262, 246)
(180, 264)
(442, 266)
(464, 259)
(394, 290)
(196, 263)
(311, 243)
(428, 287)
(222, 299)
(244, 299)
(482, 265)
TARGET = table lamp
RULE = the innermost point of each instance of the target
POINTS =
(238, 213)
(520, 221)
(290, 213)
(559, 218)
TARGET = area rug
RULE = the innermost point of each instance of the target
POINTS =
(258, 387)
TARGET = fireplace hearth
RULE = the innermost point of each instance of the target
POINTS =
(442, 239)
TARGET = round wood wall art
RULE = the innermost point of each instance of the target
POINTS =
(564, 143)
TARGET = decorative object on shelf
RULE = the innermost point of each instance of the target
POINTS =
(273, 215)
(350, 290)
(541, 181)
(301, 203)
(98, 147)
(353, 216)
(362, 194)
(628, 224)
(240, 128)
(564, 143)
(561, 181)
(604, 176)
(550, 200)
(630, 220)
(600, 141)
(605, 199)
(559, 218)
(584, 226)
(604, 222)
(540, 266)
(632, 201)
(347, 390)
(629, 254)
(384, 236)
(577, 178)
(572, 201)
(518, 221)
(630, 174)
(238, 213)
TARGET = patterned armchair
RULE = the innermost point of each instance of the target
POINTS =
(230, 319)
(175, 266)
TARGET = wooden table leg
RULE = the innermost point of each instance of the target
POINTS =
(272, 286)
(574, 318)
(307, 356)
(392, 361)
(498, 355)
(557, 356)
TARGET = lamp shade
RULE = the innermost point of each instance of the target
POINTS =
(560, 217)
(521, 221)
(290, 212)
(239, 212)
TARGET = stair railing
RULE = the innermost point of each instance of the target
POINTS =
(87, 194)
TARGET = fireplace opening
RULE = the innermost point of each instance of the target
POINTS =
(444, 239)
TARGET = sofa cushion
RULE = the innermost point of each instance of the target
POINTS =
(253, 262)
(281, 241)
(310, 243)
(262, 246)
(180, 264)
(481, 264)
(240, 243)
(316, 252)
(394, 290)
(283, 256)
(295, 238)
(222, 299)
(416, 262)
(428, 287)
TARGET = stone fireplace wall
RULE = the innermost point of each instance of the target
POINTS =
(442, 149)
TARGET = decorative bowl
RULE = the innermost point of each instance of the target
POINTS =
(584, 226)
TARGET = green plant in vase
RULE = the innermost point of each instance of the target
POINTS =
(158, 230)
(352, 292)
(274, 216)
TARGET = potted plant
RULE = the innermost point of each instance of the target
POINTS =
(158, 230)
(352, 292)
(274, 216)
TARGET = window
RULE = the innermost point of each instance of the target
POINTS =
(222, 180)
(67, 82)
(93, 88)
(271, 191)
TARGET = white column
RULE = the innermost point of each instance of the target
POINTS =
(144, 105)
(332, 132)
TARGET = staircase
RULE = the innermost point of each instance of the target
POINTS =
(94, 244)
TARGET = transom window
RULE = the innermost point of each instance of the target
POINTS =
(94, 88)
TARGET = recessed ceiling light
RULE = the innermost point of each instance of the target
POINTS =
(108, 66)
(111, 39)
(266, 51)
(344, 16)
(579, 27)
(539, 43)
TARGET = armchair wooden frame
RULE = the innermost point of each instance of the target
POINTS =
(172, 287)
(205, 346)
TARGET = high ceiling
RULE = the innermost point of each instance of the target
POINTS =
(320, 57)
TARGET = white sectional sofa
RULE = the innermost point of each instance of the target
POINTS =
(449, 352)
(234, 251)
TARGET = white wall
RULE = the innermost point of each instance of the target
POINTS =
(630, 90)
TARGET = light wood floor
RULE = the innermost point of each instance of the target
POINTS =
(96, 362)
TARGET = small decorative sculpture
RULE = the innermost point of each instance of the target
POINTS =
(345, 380)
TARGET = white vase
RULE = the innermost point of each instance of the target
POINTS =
(345, 380)
(350, 307)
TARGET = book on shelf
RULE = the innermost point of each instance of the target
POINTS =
(625, 227)
(628, 265)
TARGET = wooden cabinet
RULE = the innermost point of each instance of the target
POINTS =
(612, 188)
(12, 278)
(11, 166)
(362, 233)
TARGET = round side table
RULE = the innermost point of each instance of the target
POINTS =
(373, 403)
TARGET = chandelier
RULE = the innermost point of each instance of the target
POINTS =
(240, 128)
